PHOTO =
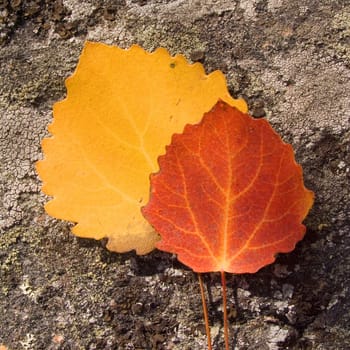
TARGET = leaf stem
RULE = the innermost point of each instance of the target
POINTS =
(205, 311)
(224, 301)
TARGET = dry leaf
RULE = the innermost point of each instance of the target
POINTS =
(229, 195)
(121, 109)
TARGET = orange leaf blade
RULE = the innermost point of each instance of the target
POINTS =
(121, 109)
(229, 195)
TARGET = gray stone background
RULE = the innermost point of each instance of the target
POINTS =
(290, 60)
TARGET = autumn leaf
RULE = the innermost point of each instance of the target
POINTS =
(229, 195)
(121, 109)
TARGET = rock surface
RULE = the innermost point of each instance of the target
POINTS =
(290, 60)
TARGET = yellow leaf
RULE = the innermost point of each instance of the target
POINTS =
(121, 109)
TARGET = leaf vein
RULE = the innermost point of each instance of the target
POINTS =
(193, 218)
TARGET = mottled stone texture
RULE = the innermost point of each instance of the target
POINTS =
(290, 60)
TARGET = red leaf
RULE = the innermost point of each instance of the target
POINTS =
(229, 195)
